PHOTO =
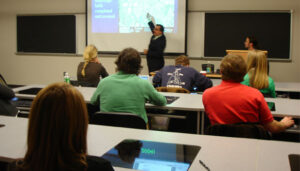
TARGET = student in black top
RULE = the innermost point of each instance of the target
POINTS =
(57, 133)
(90, 71)
(155, 51)
(6, 107)
(6, 94)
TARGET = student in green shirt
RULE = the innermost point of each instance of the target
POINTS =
(257, 75)
(125, 91)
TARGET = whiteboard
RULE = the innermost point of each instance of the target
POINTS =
(195, 34)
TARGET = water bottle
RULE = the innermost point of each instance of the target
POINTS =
(67, 78)
(208, 67)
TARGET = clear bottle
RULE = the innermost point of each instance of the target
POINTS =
(67, 78)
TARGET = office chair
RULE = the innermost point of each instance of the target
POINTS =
(242, 130)
(119, 119)
(2, 80)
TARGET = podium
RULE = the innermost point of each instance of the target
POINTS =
(242, 53)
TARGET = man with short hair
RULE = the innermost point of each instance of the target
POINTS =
(182, 76)
(251, 43)
(231, 102)
(124, 91)
(155, 51)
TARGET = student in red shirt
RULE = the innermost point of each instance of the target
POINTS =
(231, 102)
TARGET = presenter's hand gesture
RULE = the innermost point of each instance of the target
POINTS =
(150, 18)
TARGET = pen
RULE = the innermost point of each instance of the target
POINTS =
(201, 162)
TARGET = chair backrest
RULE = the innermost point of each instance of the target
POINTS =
(172, 89)
(2, 80)
(118, 119)
(244, 130)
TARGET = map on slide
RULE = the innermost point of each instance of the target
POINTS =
(132, 14)
(129, 16)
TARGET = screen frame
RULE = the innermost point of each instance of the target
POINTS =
(117, 52)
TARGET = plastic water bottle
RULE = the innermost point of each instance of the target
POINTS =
(67, 78)
(208, 67)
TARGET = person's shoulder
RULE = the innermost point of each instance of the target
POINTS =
(211, 90)
(250, 91)
(98, 163)
(191, 69)
(168, 67)
(80, 64)
(271, 81)
(108, 78)
(94, 64)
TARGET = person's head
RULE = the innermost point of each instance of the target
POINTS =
(158, 30)
(251, 43)
(257, 67)
(57, 130)
(182, 60)
(233, 68)
(90, 54)
(129, 61)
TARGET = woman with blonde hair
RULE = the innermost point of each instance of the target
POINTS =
(57, 133)
(257, 76)
(89, 71)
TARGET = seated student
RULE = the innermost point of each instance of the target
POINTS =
(57, 133)
(181, 75)
(89, 71)
(125, 91)
(257, 76)
(231, 102)
(6, 107)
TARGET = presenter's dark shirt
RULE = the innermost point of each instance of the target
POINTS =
(93, 71)
(155, 56)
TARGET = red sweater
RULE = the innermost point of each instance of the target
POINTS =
(232, 102)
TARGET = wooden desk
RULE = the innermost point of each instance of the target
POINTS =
(218, 153)
(213, 76)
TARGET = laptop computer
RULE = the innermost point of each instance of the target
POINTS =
(152, 156)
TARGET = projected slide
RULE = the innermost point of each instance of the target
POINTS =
(113, 25)
(129, 16)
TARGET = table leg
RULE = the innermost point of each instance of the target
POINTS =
(202, 123)
(198, 122)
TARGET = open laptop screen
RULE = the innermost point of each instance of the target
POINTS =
(144, 77)
(149, 155)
